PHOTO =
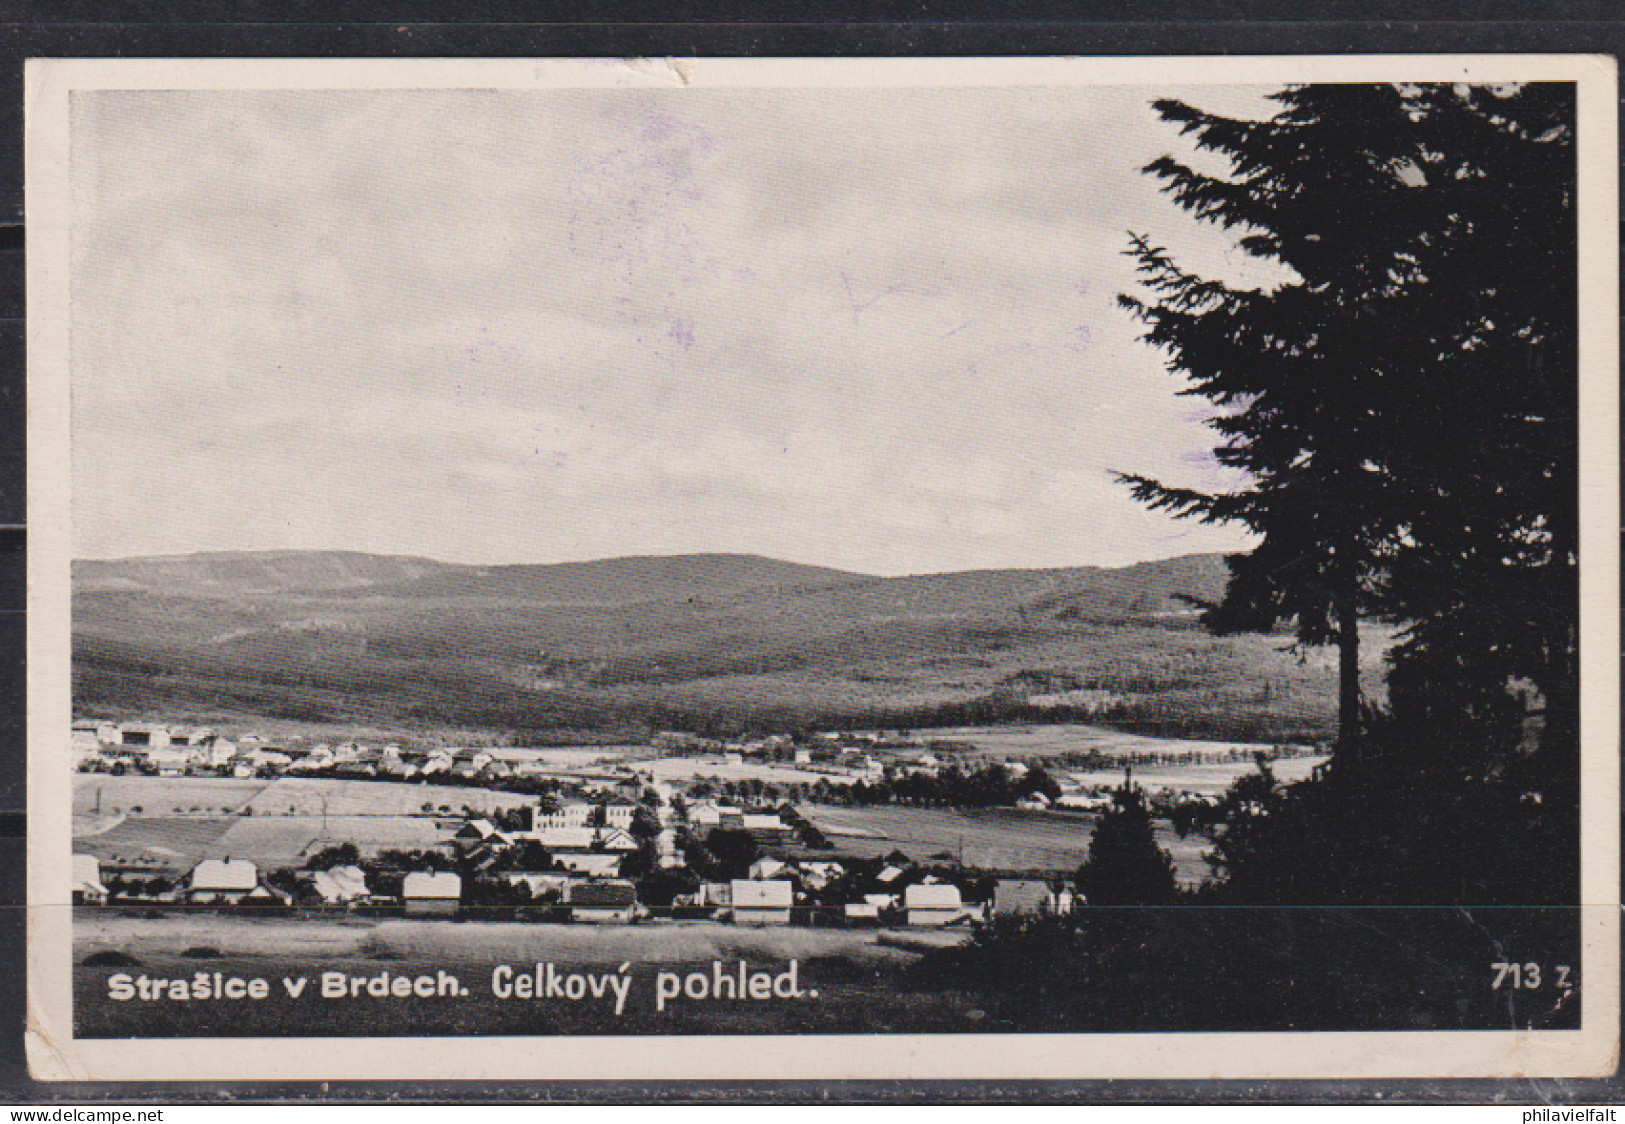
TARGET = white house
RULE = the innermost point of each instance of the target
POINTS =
(861, 912)
(761, 903)
(225, 882)
(932, 905)
(614, 839)
(87, 881)
(425, 893)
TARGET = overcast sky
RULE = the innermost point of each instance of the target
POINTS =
(866, 329)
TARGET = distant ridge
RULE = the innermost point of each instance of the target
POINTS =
(638, 577)
(332, 635)
(250, 571)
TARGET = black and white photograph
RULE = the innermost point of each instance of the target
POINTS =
(835, 568)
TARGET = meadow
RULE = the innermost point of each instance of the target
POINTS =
(173, 823)
(104, 794)
(1000, 839)
(179, 843)
(1043, 742)
(1209, 779)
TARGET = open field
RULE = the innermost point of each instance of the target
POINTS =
(1197, 780)
(680, 769)
(1044, 742)
(175, 822)
(168, 841)
(989, 838)
(104, 794)
(467, 942)
(180, 842)
(574, 757)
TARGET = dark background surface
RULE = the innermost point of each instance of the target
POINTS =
(430, 28)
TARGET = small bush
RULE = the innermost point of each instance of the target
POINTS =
(110, 958)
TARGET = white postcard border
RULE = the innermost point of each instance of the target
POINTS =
(55, 1055)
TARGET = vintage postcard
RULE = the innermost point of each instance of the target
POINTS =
(841, 568)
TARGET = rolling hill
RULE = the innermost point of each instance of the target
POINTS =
(639, 642)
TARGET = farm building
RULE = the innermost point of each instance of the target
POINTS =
(226, 882)
(716, 894)
(601, 901)
(341, 885)
(480, 830)
(614, 839)
(431, 894)
(87, 881)
(706, 814)
(761, 903)
(932, 904)
(1018, 897)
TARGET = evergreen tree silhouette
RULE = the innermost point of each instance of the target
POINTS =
(1299, 375)
(1125, 866)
